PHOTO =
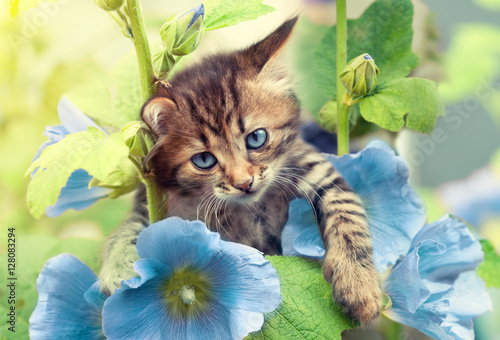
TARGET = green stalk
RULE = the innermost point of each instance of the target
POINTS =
(157, 199)
(342, 109)
(142, 50)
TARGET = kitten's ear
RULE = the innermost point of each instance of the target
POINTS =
(267, 49)
(156, 112)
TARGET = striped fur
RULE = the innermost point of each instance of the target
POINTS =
(212, 107)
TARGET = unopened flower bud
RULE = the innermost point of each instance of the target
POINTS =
(109, 5)
(181, 34)
(360, 75)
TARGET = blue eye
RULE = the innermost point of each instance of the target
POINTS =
(204, 160)
(256, 139)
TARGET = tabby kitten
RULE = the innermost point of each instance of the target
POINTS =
(229, 153)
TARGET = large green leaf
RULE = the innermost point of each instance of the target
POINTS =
(223, 13)
(90, 150)
(307, 310)
(114, 99)
(413, 102)
(384, 31)
(489, 269)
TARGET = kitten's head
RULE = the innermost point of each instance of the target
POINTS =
(225, 124)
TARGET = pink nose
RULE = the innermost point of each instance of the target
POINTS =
(246, 186)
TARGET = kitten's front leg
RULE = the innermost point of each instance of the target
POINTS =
(119, 254)
(348, 262)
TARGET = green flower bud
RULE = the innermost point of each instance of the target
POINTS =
(182, 34)
(138, 138)
(360, 75)
(163, 62)
(109, 5)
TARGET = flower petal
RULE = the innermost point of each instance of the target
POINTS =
(72, 118)
(245, 322)
(244, 279)
(76, 194)
(429, 317)
(147, 270)
(300, 235)
(463, 250)
(395, 212)
(137, 313)
(62, 309)
(404, 285)
(471, 299)
(177, 242)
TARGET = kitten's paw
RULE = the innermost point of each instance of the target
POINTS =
(112, 275)
(358, 292)
(365, 306)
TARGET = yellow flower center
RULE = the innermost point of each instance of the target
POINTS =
(187, 293)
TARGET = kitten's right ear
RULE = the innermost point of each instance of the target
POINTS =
(156, 112)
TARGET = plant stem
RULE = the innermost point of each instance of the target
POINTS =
(342, 109)
(157, 199)
(142, 50)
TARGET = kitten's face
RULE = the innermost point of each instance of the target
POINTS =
(224, 126)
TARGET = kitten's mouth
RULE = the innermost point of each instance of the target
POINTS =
(248, 196)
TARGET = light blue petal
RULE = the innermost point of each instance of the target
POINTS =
(136, 313)
(395, 212)
(178, 242)
(73, 119)
(244, 279)
(62, 311)
(216, 323)
(147, 270)
(300, 235)
(245, 322)
(463, 250)
(404, 285)
(55, 133)
(76, 194)
(428, 317)
(471, 299)
(94, 296)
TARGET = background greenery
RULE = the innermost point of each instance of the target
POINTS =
(48, 51)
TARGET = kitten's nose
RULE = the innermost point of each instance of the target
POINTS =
(245, 186)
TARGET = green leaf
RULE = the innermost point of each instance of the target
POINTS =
(115, 99)
(489, 269)
(90, 150)
(16, 6)
(384, 31)
(307, 310)
(224, 13)
(413, 102)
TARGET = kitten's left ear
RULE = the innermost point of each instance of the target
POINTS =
(265, 51)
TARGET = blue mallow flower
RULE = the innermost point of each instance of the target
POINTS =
(431, 274)
(69, 302)
(394, 211)
(191, 285)
(76, 194)
(434, 287)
